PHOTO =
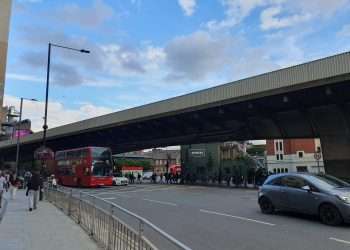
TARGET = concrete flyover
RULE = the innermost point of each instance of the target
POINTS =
(304, 101)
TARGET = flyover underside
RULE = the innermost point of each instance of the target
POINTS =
(320, 112)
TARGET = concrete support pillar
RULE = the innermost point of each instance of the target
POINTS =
(336, 155)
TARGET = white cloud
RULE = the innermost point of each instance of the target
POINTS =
(236, 11)
(197, 55)
(323, 8)
(188, 6)
(290, 12)
(23, 77)
(345, 31)
(58, 114)
(88, 17)
(270, 19)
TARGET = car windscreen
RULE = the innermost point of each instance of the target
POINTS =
(328, 181)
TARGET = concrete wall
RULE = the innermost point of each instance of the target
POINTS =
(5, 12)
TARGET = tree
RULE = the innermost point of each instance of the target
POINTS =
(258, 150)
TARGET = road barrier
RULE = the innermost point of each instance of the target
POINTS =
(112, 226)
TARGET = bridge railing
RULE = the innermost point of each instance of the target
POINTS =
(112, 226)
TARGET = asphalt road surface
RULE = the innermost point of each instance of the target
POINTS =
(206, 218)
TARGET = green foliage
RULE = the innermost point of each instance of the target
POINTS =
(258, 150)
(242, 165)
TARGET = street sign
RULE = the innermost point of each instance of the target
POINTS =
(317, 156)
(43, 153)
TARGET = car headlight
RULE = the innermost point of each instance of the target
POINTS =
(345, 199)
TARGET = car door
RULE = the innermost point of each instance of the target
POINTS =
(273, 192)
(298, 199)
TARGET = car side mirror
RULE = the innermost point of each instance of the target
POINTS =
(306, 188)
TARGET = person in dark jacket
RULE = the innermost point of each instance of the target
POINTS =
(33, 188)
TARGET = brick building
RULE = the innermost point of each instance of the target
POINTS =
(294, 155)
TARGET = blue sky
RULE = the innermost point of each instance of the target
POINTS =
(148, 50)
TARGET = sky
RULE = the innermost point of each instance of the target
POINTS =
(144, 51)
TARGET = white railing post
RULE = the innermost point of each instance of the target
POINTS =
(110, 229)
(79, 208)
(141, 228)
(92, 229)
(70, 200)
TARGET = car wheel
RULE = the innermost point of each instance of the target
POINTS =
(266, 205)
(330, 215)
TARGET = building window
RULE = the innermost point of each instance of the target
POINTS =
(300, 154)
(276, 146)
(281, 157)
(282, 170)
(286, 170)
(278, 170)
(274, 170)
(281, 146)
(278, 157)
(302, 169)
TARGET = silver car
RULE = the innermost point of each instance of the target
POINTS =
(316, 194)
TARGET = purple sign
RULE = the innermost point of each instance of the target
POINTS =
(22, 133)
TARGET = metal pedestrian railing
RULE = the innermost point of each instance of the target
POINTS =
(112, 226)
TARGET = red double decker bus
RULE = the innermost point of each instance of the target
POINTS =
(84, 167)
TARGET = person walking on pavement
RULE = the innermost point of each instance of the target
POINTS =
(2, 187)
(33, 191)
(139, 178)
(13, 185)
(27, 176)
(7, 177)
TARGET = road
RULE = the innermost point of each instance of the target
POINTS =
(217, 218)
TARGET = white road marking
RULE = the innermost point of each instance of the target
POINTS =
(339, 240)
(123, 195)
(237, 217)
(161, 202)
(109, 198)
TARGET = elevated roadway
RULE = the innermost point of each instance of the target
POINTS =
(304, 101)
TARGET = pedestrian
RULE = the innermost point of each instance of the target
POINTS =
(33, 191)
(41, 191)
(2, 187)
(27, 176)
(177, 177)
(7, 177)
(53, 181)
(139, 178)
(13, 185)
(167, 177)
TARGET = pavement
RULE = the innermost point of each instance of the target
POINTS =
(42, 229)
(209, 218)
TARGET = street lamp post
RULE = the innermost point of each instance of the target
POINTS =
(45, 127)
(18, 128)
